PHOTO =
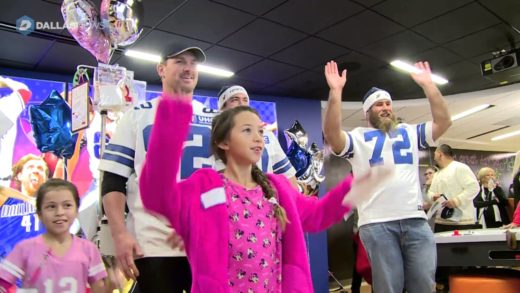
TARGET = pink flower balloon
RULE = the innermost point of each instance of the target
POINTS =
(82, 21)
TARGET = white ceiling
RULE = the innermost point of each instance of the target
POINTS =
(506, 112)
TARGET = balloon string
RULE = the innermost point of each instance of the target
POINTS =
(114, 48)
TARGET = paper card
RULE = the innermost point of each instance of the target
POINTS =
(437, 206)
(79, 106)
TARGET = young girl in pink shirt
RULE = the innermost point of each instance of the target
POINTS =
(243, 230)
(55, 261)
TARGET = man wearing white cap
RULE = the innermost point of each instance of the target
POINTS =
(393, 227)
(273, 159)
(141, 246)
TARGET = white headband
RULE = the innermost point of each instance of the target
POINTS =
(375, 97)
(230, 92)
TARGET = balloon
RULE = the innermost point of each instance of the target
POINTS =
(299, 157)
(51, 121)
(121, 19)
(82, 21)
(307, 162)
(297, 134)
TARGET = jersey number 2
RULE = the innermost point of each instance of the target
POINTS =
(196, 149)
(400, 146)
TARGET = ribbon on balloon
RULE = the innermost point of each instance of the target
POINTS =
(308, 161)
(51, 122)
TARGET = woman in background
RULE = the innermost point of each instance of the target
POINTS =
(491, 201)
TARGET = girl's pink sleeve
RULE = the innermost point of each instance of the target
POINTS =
(11, 267)
(319, 214)
(96, 269)
(160, 191)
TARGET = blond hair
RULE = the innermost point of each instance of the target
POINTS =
(483, 172)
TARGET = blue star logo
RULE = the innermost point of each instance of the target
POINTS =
(25, 25)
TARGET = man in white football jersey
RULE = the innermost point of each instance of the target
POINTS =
(273, 159)
(393, 227)
(157, 267)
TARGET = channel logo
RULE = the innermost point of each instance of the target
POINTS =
(25, 25)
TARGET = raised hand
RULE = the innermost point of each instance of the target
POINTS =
(334, 79)
(424, 76)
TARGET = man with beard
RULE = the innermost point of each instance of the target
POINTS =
(392, 223)
(18, 217)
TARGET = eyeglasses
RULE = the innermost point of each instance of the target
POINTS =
(428, 173)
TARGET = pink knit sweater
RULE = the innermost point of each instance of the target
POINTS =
(196, 207)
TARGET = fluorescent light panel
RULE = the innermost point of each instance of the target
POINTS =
(411, 69)
(156, 59)
(214, 70)
(143, 56)
(506, 135)
(470, 111)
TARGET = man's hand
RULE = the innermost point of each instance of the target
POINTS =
(126, 249)
(334, 80)
(450, 203)
(511, 226)
(175, 241)
(424, 76)
(435, 197)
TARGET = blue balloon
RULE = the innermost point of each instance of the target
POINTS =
(51, 122)
(300, 158)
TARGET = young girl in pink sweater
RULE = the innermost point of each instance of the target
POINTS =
(243, 230)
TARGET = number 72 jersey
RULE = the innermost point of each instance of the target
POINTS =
(399, 198)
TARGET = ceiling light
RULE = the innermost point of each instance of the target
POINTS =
(143, 56)
(156, 59)
(470, 111)
(411, 69)
(214, 71)
(507, 135)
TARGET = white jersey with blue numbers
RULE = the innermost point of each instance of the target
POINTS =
(399, 198)
(273, 159)
(93, 136)
(125, 155)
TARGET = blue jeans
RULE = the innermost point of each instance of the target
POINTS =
(402, 254)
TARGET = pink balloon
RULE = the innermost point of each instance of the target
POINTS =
(82, 21)
(121, 20)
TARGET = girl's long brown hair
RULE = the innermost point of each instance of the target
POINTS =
(220, 131)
